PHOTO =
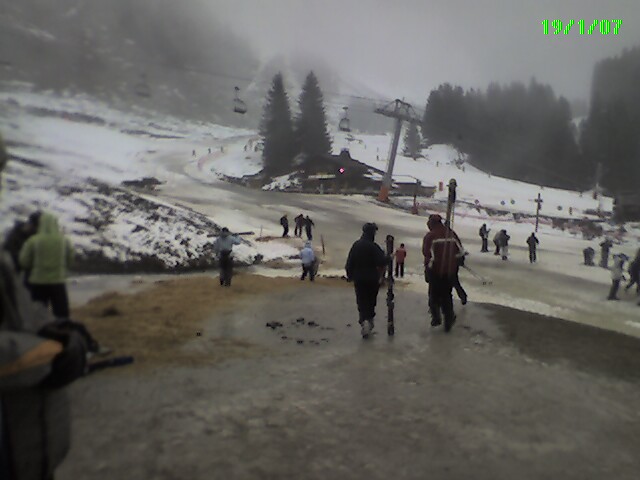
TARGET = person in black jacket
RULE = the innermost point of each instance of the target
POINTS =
(365, 266)
(284, 221)
(484, 235)
(605, 247)
(308, 224)
(533, 242)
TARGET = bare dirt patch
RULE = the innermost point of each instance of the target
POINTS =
(153, 324)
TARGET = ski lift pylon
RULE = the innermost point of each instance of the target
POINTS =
(344, 122)
(238, 105)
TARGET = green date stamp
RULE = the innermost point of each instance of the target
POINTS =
(606, 27)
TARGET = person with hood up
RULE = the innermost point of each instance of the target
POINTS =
(533, 242)
(634, 273)
(365, 267)
(223, 247)
(308, 259)
(617, 274)
(284, 221)
(588, 254)
(47, 255)
(496, 242)
(35, 421)
(18, 236)
(441, 248)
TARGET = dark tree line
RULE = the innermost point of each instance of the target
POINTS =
(611, 133)
(516, 131)
(284, 136)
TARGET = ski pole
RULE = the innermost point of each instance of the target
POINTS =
(483, 279)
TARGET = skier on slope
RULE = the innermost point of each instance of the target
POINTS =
(634, 273)
(308, 259)
(484, 235)
(441, 248)
(223, 247)
(533, 242)
(365, 267)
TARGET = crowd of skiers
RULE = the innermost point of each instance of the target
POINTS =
(301, 222)
(501, 242)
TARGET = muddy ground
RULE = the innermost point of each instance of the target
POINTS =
(507, 394)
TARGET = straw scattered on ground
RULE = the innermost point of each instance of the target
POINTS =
(154, 324)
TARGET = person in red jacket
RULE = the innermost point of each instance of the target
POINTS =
(441, 248)
(401, 254)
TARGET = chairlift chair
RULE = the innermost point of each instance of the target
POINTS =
(238, 105)
(344, 122)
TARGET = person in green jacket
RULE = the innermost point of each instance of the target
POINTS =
(47, 255)
(35, 423)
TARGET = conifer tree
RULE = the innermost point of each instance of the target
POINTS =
(277, 130)
(412, 141)
(312, 135)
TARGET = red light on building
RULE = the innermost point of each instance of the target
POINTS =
(341, 170)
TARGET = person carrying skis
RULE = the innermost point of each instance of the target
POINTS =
(441, 248)
(484, 235)
(401, 254)
(299, 220)
(605, 247)
(223, 247)
(308, 259)
(532, 241)
(284, 221)
(634, 273)
(617, 274)
(365, 267)
(47, 255)
(308, 224)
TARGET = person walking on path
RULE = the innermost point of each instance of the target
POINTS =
(441, 248)
(634, 273)
(605, 247)
(484, 235)
(35, 421)
(365, 266)
(47, 255)
(223, 247)
(533, 242)
(299, 221)
(308, 259)
(617, 274)
(284, 221)
(308, 225)
(401, 254)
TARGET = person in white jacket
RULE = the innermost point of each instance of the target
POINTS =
(308, 258)
(223, 247)
(617, 274)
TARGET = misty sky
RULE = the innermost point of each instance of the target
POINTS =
(404, 48)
